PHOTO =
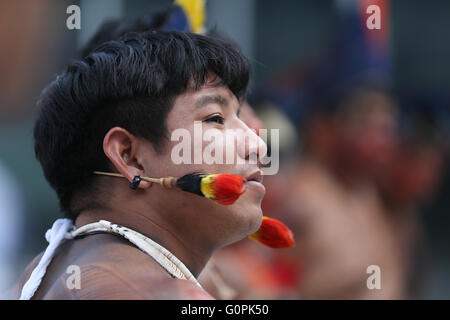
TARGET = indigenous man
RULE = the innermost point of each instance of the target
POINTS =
(115, 111)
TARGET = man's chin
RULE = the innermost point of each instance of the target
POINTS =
(250, 216)
(254, 211)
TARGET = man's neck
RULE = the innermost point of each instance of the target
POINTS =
(193, 257)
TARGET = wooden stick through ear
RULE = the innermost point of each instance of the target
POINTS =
(222, 188)
(167, 182)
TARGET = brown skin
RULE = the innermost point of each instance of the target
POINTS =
(189, 226)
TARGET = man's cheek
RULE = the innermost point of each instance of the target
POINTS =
(213, 147)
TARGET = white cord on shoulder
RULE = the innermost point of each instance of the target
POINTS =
(64, 229)
(55, 236)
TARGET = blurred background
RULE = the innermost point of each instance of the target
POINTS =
(364, 119)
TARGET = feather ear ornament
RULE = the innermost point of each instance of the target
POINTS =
(224, 189)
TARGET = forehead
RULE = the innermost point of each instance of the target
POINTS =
(194, 100)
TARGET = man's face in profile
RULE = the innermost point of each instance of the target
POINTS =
(210, 117)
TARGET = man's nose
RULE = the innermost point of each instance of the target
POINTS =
(251, 146)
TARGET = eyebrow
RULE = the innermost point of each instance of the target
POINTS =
(218, 99)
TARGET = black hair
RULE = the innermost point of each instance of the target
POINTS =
(131, 83)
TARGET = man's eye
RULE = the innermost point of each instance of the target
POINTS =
(218, 119)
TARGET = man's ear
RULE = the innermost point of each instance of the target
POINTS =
(121, 147)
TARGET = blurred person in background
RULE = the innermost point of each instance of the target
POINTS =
(351, 158)
(333, 204)
(355, 200)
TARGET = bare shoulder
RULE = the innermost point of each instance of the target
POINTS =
(105, 267)
(118, 270)
(103, 281)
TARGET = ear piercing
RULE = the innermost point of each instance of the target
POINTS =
(135, 183)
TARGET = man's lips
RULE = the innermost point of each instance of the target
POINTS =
(254, 181)
(255, 176)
